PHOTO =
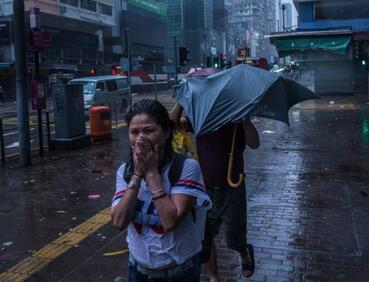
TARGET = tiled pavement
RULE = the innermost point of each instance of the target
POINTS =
(308, 203)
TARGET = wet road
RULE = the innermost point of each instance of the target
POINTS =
(308, 204)
(8, 114)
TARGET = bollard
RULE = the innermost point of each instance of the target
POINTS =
(2, 145)
(40, 135)
(48, 129)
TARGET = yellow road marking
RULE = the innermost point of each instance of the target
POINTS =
(13, 121)
(115, 253)
(24, 269)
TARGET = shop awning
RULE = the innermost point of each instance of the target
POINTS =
(288, 46)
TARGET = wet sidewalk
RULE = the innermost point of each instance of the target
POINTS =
(308, 204)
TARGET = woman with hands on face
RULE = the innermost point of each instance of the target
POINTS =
(164, 239)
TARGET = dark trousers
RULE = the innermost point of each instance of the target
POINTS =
(188, 271)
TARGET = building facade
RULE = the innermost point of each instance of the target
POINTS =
(85, 35)
(249, 21)
(191, 22)
(330, 45)
(220, 20)
(286, 17)
(147, 25)
(76, 28)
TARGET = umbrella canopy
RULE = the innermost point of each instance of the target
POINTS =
(236, 94)
(203, 72)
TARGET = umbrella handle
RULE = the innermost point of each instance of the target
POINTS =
(230, 165)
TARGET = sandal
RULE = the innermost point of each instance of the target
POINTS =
(249, 267)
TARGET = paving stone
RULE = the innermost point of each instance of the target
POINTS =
(307, 186)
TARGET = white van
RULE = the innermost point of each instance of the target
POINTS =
(109, 90)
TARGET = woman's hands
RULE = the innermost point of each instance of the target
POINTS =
(145, 156)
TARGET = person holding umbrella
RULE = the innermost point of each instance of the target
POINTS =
(229, 199)
(216, 104)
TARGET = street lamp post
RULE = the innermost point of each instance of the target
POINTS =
(175, 60)
(127, 48)
(283, 17)
(22, 101)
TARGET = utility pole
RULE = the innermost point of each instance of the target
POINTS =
(22, 102)
(127, 52)
(128, 48)
(175, 60)
(35, 89)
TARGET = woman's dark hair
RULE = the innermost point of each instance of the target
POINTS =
(158, 113)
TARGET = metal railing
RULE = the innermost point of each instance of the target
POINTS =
(2, 145)
(44, 123)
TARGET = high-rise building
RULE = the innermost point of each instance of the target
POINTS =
(147, 23)
(191, 22)
(220, 19)
(249, 21)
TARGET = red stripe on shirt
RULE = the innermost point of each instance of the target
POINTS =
(190, 182)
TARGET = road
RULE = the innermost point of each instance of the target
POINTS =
(8, 114)
(307, 191)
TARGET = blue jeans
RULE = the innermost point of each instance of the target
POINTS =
(189, 271)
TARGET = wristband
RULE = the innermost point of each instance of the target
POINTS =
(139, 175)
(160, 196)
(157, 191)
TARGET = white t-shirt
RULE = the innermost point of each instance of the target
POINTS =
(146, 239)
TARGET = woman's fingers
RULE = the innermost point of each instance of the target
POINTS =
(146, 154)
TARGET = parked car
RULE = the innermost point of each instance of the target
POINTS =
(109, 90)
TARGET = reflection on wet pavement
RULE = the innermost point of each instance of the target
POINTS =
(308, 211)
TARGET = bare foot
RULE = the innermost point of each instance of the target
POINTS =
(248, 265)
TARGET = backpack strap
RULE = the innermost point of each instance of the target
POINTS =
(175, 172)
(128, 171)
(176, 168)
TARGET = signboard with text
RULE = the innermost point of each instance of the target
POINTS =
(40, 40)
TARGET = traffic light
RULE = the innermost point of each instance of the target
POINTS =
(184, 57)
(116, 70)
(92, 71)
(216, 62)
(361, 50)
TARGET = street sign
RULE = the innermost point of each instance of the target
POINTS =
(34, 18)
(213, 51)
(40, 39)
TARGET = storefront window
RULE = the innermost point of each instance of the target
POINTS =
(88, 5)
(70, 2)
(105, 9)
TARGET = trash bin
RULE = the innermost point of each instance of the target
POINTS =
(100, 123)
